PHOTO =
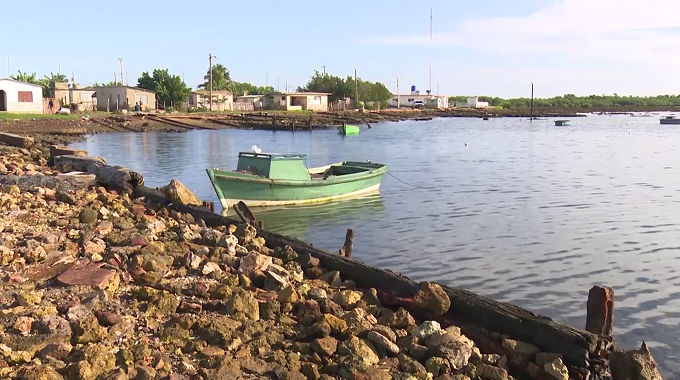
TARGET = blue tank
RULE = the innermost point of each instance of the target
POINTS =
(413, 88)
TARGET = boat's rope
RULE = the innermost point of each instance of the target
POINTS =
(406, 183)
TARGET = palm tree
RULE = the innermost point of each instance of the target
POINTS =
(220, 80)
(25, 77)
(49, 81)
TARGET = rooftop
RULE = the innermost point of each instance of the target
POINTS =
(18, 81)
(130, 87)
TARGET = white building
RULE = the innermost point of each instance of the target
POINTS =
(16, 96)
(415, 98)
(472, 102)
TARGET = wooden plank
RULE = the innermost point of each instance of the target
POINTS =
(115, 176)
(58, 150)
(16, 140)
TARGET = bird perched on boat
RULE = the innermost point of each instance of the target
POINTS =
(255, 149)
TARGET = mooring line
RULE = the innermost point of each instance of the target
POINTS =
(406, 183)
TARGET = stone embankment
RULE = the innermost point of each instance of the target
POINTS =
(97, 283)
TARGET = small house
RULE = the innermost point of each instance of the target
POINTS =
(113, 98)
(20, 97)
(82, 98)
(222, 100)
(472, 102)
(288, 101)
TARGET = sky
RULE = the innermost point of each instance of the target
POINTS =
(491, 47)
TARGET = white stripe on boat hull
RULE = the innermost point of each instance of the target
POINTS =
(226, 203)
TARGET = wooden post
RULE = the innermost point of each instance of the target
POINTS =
(209, 205)
(532, 102)
(274, 122)
(293, 125)
(260, 224)
(310, 123)
(600, 314)
(346, 249)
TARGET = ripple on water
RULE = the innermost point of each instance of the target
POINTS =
(527, 213)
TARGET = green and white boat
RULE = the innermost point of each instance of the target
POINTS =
(268, 179)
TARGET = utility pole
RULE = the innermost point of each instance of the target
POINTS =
(278, 84)
(9, 73)
(324, 70)
(115, 80)
(210, 58)
(122, 78)
(398, 100)
(437, 88)
(430, 51)
(356, 86)
(266, 78)
(532, 101)
(286, 86)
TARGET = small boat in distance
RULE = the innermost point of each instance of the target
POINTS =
(269, 179)
(348, 130)
(561, 123)
(671, 119)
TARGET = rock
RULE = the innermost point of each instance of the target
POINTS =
(546, 357)
(409, 365)
(29, 297)
(211, 267)
(156, 227)
(88, 216)
(211, 237)
(328, 306)
(317, 294)
(520, 348)
(52, 324)
(163, 303)
(325, 346)
(634, 364)
(145, 372)
(253, 263)
(94, 249)
(437, 366)
(41, 372)
(88, 330)
(307, 261)
(90, 274)
(357, 323)
(386, 331)
(308, 312)
(559, 371)
(243, 304)
(78, 312)
(490, 359)
(397, 320)
(245, 233)
(179, 194)
(22, 325)
(431, 296)
(383, 342)
(59, 351)
(287, 295)
(318, 330)
(347, 298)
(425, 330)
(229, 242)
(486, 371)
(332, 278)
(360, 349)
(107, 318)
(338, 326)
(451, 347)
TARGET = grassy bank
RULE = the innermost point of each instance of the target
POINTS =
(31, 116)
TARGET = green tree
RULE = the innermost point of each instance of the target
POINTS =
(48, 82)
(340, 89)
(169, 88)
(108, 84)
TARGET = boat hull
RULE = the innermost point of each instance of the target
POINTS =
(262, 192)
(349, 130)
(670, 121)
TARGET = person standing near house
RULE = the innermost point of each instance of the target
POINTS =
(51, 105)
(137, 107)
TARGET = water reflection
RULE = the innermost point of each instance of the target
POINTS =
(296, 221)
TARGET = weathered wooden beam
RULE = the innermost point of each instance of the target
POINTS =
(115, 176)
(346, 249)
(58, 150)
(600, 315)
(16, 140)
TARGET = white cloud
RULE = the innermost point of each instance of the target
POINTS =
(631, 30)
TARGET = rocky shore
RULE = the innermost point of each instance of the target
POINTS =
(97, 284)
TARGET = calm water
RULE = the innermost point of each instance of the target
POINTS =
(528, 213)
